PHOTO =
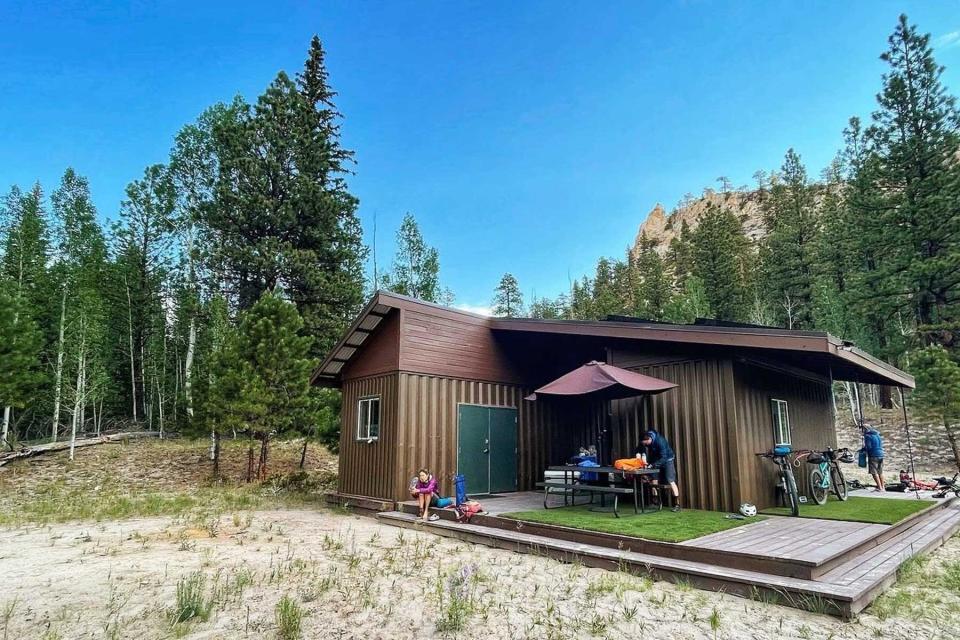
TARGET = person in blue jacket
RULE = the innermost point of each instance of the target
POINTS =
(659, 454)
(873, 444)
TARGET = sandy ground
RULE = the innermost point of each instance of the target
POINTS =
(356, 578)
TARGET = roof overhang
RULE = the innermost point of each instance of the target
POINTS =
(844, 360)
(366, 323)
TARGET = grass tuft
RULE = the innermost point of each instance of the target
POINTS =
(192, 602)
(289, 618)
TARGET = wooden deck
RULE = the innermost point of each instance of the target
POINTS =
(806, 563)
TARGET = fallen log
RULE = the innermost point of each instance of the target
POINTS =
(36, 450)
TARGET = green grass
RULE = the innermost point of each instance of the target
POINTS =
(664, 526)
(858, 509)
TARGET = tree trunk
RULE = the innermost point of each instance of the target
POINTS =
(250, 463)
(188, 367)
(159, 405)
(885, 396)
(133, 366)
(6, 424)
(58, 374)
(303, 454)
(77, 400)
(216, 455)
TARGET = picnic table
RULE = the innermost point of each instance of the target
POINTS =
(639, 499)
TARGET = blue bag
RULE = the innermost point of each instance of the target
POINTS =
(461, 487)
(862, 458)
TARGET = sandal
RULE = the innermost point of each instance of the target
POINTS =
(433, 517)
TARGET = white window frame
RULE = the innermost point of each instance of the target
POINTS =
(780, 413)
(363, 429)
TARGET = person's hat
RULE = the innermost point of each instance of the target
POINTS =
(649, 435)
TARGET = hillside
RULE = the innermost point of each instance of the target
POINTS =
(662, 227)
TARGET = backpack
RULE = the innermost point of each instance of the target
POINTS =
(468, 509)
(862, 458)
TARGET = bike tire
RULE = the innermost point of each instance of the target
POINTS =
(792, 496)
(839, 483)
(818, 493)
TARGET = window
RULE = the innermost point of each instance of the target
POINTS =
(368, 418)
(781, 422)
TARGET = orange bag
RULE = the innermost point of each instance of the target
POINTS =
(628, 464)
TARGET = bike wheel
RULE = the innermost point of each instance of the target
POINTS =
(839, 483)
(818, 493)
(792, 497)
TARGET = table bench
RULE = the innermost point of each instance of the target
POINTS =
(573, 488)
(639, 499)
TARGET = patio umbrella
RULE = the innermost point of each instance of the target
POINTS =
(603, 382)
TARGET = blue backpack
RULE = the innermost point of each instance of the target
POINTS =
(461, 486)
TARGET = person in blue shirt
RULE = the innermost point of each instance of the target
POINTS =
(873, 444)
(659, 454)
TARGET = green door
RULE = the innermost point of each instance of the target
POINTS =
(503, 450)
(473, 447)
(487, 448)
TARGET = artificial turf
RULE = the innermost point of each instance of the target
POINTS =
(665, 526)
(858, 509)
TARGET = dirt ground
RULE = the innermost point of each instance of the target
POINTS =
(349, 576)
(355, 578)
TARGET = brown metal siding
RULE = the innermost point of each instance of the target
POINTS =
(366, 469)
(380, 353)
(693, 418)
(811, 423)
(428, 427)
(452, 345)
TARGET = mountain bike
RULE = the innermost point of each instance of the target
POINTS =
(828, 475)
(787, 485)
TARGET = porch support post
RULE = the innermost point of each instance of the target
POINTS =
(906, 425)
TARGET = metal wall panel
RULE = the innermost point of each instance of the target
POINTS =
(427, 435)
(811, 424)
(366, 468)
(694, 421)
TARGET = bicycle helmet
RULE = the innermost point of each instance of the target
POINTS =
(748, 510)
(846, 456)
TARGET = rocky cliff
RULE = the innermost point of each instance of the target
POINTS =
(662, 227)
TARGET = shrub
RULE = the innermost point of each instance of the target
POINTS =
(289, 617)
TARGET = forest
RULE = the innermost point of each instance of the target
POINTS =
(232, 267)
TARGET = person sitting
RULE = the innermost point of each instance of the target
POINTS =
(657, 453)
(873, 444)
(424, 488)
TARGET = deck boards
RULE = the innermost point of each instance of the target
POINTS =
(851, 585)
(810, 541)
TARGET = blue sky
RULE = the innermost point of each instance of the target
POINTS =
(530, 137)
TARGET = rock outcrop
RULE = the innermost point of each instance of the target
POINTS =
(661, 227)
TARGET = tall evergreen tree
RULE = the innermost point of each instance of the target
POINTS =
(20, 344)
(508, 300)
(283, 218)
(938, 391)
(914, 139)
(788, 250)
(720, 262)
(653, 289)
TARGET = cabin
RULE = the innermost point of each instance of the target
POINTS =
(436, 387)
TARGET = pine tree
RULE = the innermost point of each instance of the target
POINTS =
(20, 344)
(24, 270)
(914, 138)
(680, 255)
(938, 391)
(653, 290)
(788, 250)
(508, 300)
(262, 374)
(416, 268)
(606, 296)
(720, 262)
(283, 218)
